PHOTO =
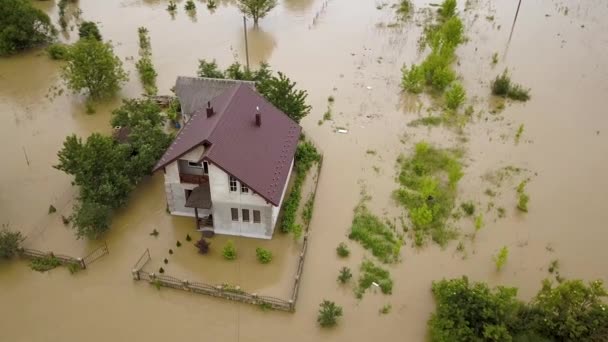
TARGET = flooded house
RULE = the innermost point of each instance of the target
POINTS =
(230, 164)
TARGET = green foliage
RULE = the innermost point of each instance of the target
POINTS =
(190, 5)
(520, 131)
(342, 250)
(455, 96)
(375, 235)
(74, 268)
(172, 6)
(229, 251)
(92, 67)
(495, 58)
(52, 209)
(89, 30)
(135, 112)
(468, 208)
(413, 79)
(256, 9)
(502, 86)
(327, 115)
(144, 39)
(22, 26)
(345, 275)
(44, 264)
(385, 309)
(281, 92)
(91, 219)
(10, 242)
(428, 182)
(404, 9)
(370, 273)
(522, 197)
(571, 311)
(307, 211)
(264, 256)
(426, 121)
(448, 8)
(500, 259)
(329, 313)
(58, 51)
(147, 73)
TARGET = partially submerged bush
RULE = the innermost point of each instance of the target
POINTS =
(342, 250)
(468, 208)
(264, 256)
(370, 273)
(522, 197)
(502, 86)
(44, 264)
(203, 246)
(10, 242)
(229, 251)
(329, 313)
(89, 30)
(345, 275)
(455, 96)
(58, 51)
(501, 258)
(374, 235)
(413, 79)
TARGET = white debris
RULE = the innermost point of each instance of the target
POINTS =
(343, 131)
(369, 87)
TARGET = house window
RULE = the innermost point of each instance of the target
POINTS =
(206, 168)
(202, 165)
(244, 188)
(188, 192)
(256, 216)
(235, 214)
(232, 183)
(245, 215)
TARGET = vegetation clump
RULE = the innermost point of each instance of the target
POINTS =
(571, 311)
(345, 275)
(44, 264)
(429, 180)
(23, 26)
(93, 68)
(256, 9)
(455, 96)
(10, 242)
(500, 259)
(264, 256)
(375, 235)
(342, 250)
(89, 30)
(522, 197)
(58, 51)
(468, 208)
(203, 246)
(385, 309)
(404, 8)
(329, 313)
(502, 86)
(307, 210)
(369, 274)
(190, 6)
(145, 68)
(229, 251)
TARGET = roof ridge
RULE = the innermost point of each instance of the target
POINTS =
(225, 109)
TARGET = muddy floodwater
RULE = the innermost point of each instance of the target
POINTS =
(352, 51)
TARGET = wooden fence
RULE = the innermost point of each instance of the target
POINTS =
(227, 291)
(66, 259)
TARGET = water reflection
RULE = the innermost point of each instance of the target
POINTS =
(298, 6)
(261, 45)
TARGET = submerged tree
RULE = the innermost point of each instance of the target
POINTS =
(93, 67)
(9, 243)
(256, 9)
(89, 29)
(23, 26)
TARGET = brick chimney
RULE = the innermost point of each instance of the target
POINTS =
(210, 111)
(258, 117)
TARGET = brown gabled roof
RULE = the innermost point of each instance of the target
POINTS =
(195, 92)
(258, 156)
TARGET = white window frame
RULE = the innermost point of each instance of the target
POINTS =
(232, 211)
(259, 216)
(243, 211)
(244, 189)
(232, 180)
(195, 164)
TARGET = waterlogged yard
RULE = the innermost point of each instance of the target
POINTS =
(450, 145)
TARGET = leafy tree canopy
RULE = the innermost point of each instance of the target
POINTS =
(89, 29)
(256, 9)
(23, 26)
(9, 243)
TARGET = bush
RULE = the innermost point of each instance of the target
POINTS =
(203, 246)
(329, 313)
(147, 74)
(264, 256)
(523, 198)
(413, 79)
(448, 8)
(502, 86)
(91, 219)
(345, 275)
(375, 235)
(501, 258)
(190, 5)
(44, 264)
(10, 242)
(371, 273)
(256, 9)
(468, 208)
(229, 251)
(455, 96)
(89, 30)
(58, 51)
(342, 250)
(22, 26)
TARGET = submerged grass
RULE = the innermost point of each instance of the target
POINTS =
(502, 86)
(429, 180)
(375, 235)
(369, 274)
(145, 68)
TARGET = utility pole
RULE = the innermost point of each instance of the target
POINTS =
(513, 26)
(246, 43)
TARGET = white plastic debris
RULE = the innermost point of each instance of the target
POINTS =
(343, 131)
(369, 87)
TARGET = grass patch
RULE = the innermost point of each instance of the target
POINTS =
(520, 131)
(522, 197)
(502, 86)
(306, 156)
(371, 273)
(145, 68)
(429, 180)
(342, 250)
(426, 121)
(375, 235)
(500, 259)
(44, 264)
(468, 208)
(404, 9)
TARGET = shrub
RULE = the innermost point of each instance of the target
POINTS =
(523, 198)
(203, 246)
(413, 79)
(166, 261)
(58, 51)
(448, 8)
(345, 275)
(190, 5)
(455, 96)
(229, 251)
(501, 258)
(172, 6)
(188, 238)
(44, 264)
(161, 270)
(147, 74)
(264, 256)
(74, 268)
(327, 115)
(404, 9)
(89, 30)
(10, 242)
(52, 209)
(329, 313)
(385, 309)
(23, 26)
(307, 210)
(330, 99)
(468, 208)
(375, 235)
(256, 9)
(478, 222)
(342, 250)
(502, 86)
(370, 273)
(178, 244)
(91, 219)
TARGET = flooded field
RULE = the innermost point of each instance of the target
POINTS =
(353, 52)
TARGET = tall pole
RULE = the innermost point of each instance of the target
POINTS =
(513, 26)
(246, 43)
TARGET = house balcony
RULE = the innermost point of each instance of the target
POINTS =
(193, 179)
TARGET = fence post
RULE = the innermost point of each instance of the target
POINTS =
(83, 265)
(291, 305)
(186, 285)
(135, 274)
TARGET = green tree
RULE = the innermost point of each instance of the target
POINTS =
(89, 29)
(256, 9)
(23, 26)
(91, 219)
(571, 311)
(281, 92)
(455, 96)
(9, 243)
(329, 313)
(135, 111)
(209, 69)
(92, 67)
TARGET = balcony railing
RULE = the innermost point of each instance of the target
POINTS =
(192, 179)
